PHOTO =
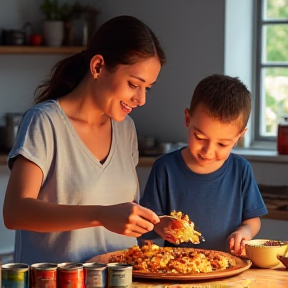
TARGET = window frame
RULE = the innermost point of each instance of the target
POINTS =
(258, 101)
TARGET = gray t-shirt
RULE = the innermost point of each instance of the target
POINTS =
(72, 175)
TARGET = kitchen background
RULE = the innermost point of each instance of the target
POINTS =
(199, 38)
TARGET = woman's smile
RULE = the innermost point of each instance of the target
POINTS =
(126, 108)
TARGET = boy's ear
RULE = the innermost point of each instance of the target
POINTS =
(187, 117)
(243, 132)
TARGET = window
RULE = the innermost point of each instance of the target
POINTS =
(271, 67)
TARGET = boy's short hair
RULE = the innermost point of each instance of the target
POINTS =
(225, 98)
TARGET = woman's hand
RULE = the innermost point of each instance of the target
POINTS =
(129, 218)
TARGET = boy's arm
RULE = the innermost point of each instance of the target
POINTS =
(248, 229)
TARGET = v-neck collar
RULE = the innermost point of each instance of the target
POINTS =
(81, 143)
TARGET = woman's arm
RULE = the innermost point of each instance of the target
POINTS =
(22, 209)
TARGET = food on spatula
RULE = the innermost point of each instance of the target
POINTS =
(182, 230)
(151, 258)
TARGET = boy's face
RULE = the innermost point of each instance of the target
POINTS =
(209, 140)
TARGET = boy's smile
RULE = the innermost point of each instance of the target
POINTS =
(210, 141)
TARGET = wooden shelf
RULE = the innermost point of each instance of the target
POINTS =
(147, 161)
(40, 49)
(276, 215)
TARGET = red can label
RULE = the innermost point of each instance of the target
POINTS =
(44, 275)
(282, 140)
(70, 275)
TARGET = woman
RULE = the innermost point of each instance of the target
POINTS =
(73, 187)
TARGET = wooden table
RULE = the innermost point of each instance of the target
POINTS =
(252, 278)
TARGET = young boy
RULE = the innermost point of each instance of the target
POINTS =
(204, 180)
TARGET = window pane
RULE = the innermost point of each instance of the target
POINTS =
(275, 42)
(274, 99)
(275, 9)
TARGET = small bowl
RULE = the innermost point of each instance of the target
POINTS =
(284, 260)
(265, 256)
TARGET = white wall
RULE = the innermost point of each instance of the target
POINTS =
(7, 237)
(239, 50)
(21, 74)
(193, 35)
(273, 229)
(191, 32)
(274, 174)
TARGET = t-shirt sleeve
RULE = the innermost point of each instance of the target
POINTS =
(34, 140)
(153, 196)
(253, 204)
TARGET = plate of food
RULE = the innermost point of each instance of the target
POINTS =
(151, 261)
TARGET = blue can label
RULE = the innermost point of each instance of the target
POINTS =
(15, 275)
(95, 275)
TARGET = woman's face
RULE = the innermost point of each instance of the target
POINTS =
(120, 91)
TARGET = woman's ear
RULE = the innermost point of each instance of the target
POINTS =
(187, 117)
(96, 65)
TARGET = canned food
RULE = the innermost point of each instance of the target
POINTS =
(95, 275)
(119, 275)
(43, 275)
(70, 275)
(282, 137)
(15, 275)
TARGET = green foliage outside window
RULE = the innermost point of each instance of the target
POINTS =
(275, 79)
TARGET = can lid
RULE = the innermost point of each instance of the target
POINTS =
(16, 266)
(44, 266)
(94, 265)
(120, 265)
(284, 121)
(70, 266)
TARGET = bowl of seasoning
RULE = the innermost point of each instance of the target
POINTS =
(263, 252)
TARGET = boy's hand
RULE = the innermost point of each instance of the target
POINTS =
(246, 231)
(237, 243)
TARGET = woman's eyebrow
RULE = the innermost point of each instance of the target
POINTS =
(141, 79)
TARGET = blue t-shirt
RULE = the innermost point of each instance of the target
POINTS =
(217, 202)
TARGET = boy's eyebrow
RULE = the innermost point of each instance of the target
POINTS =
(230, 140)
(141, 79)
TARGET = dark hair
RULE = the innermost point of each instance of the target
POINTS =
(120, 40)
(225, 98)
